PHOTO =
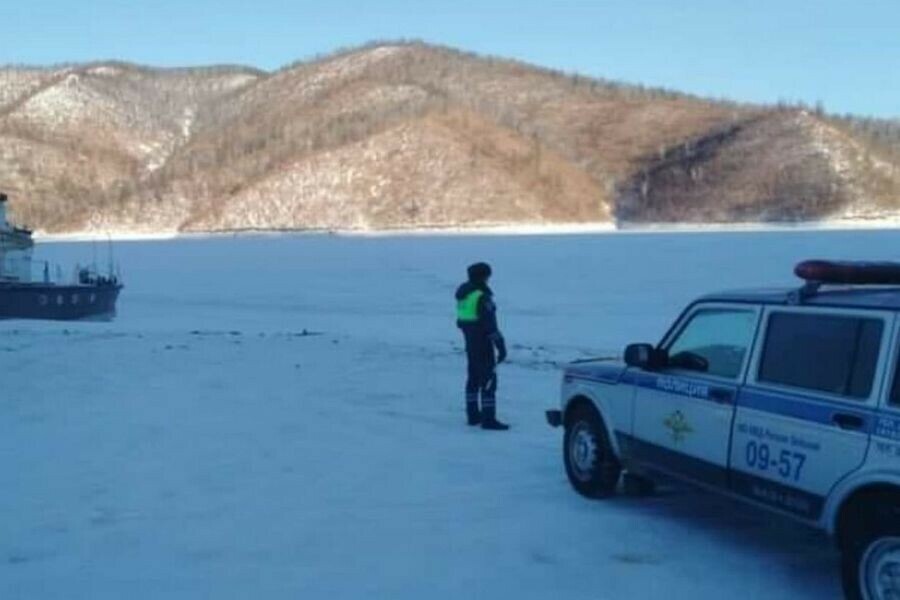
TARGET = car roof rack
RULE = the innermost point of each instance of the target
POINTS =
(816, 273)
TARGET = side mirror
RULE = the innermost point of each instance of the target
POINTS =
(645, 356)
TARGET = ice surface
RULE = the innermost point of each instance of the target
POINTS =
(281, 417)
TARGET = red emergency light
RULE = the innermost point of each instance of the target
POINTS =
(848, 272)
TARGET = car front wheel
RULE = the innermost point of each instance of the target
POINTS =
(591, 465)
(871, 569)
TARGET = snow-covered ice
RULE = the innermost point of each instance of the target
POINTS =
(281, 417)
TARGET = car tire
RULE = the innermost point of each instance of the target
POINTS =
(591, 464)
(870, 557)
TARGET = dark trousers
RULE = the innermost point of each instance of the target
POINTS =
(482, 372)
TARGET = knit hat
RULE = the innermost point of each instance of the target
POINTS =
(479, 272)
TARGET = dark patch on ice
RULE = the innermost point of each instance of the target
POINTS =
(221, 333)
(18, 559)
(103, 517)
(205, 332)
(306, 333)
(537, 365)
(532, 348)
(631, 558)
(22, 557)
(542, 558)
(544, 358)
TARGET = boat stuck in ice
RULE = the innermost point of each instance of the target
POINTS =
(91, 295)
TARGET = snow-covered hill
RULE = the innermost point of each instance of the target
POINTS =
(409, 135)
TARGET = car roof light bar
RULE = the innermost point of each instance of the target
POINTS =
(816, 273)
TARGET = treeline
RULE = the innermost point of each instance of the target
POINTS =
(883, 134)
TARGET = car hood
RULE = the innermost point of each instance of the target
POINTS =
(602, 369)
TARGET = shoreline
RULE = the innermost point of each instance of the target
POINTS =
(487, 230)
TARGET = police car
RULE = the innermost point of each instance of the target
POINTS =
(789, 399)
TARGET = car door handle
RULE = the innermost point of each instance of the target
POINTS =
(848, 421)
(721, 395)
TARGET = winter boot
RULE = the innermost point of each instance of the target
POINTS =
(489, 419)
(473, 415)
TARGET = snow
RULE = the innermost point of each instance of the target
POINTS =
(884, 222)
(187, 121)
(281, 417)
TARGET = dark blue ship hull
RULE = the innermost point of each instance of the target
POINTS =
(58, 302)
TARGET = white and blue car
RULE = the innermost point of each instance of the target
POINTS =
(789, 399)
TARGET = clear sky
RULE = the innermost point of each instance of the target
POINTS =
(845, 54)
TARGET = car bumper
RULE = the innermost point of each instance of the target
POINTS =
(554, 418)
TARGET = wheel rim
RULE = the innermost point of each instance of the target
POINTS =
(879, 570)
(583, 451)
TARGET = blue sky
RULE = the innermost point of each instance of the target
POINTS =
(844, 54)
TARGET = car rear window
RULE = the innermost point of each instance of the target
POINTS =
(826, 353)
(895, 388)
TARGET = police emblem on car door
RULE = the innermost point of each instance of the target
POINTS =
(678, 425)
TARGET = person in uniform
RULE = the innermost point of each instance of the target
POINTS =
(476, 316)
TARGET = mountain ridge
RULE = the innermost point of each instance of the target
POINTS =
(410, 135)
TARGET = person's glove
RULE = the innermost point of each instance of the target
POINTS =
(501, 349)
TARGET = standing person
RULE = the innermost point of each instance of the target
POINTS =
(476, 315)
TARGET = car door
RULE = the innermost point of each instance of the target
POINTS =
(884, 451)
(804, 418)
(683, 413)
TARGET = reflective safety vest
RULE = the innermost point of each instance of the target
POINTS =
(467, 308)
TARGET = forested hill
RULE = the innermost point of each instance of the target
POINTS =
(410, 135)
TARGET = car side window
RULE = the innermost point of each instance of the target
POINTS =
(836, 354)
(714, 341)
(894, 399)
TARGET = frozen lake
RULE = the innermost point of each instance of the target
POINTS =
(281, 417)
